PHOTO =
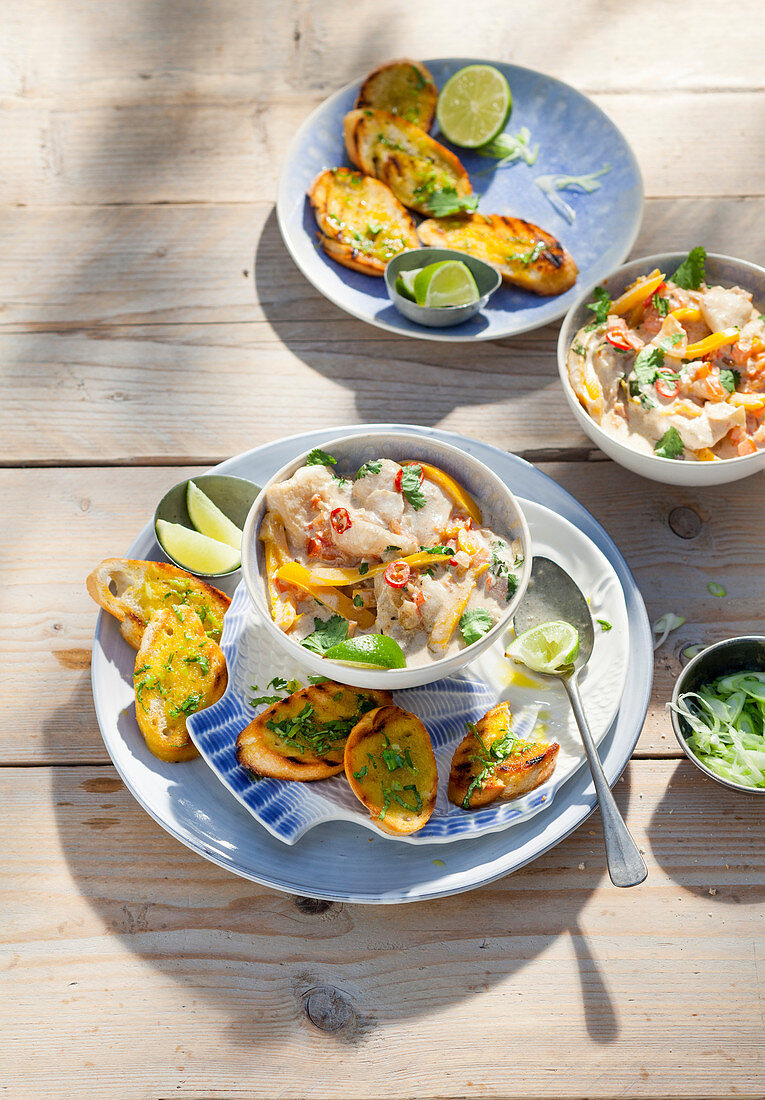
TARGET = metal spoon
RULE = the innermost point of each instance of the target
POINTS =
(553, 595)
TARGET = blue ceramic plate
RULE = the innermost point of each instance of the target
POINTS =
(289, 810)
(575, 137)
(338, 860)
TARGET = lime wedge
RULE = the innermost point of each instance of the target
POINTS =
(447, 283)
(370, 650)
(208, 518)
(197, 552)
(547, 647)
(405, 283)
(474, 105)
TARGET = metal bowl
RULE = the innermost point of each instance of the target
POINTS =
(487, 279)
(744, 654)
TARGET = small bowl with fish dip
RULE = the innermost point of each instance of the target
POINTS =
(385, 559)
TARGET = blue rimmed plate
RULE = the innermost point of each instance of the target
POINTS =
(289, 810)
(338, 860)
(575, 137)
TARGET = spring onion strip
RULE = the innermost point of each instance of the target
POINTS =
(716, 589)
(551, 185)
(693, 650)
(727, 723)
(664, 626)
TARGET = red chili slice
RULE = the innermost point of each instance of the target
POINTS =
(618, 340)
(397, 479)
(315, 548)
(667, 387)
(397, 574)
(340, 520)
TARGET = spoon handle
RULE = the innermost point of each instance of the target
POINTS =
(625, 864)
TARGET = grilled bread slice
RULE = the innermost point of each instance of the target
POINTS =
(303, 736)
(390, 765)
(524, 254)
(361, 223)
(490, 763)
(134, 591)
(404, 88)
(178, 671)
(418, 170)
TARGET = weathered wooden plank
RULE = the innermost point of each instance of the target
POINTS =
(64, 268)
(196, 983)
(206, 151)
(94, 54)
(47, 618)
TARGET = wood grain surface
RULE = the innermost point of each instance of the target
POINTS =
(151, 324)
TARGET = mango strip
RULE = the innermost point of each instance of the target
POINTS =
(637, 293)
(712, 342)
(274, 539)
(446, 622)
(295, 573)
(687, 313)
(344, 576)
(452, 489)
(705, 455)
(752, 402)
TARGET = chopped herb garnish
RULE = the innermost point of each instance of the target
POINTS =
(360, 773)
(304, 732)
(326, 634)
(578, 349)
(647, 365)
(446, 201)
(531, 255)
(391, 549)
(670, 445)
(501, 568)
(729, 379)
(317, 457)
(670, 341)
(661, 305)
(715, 589)
(358, 601)
(488, 758)
(269, 699)
(419, 79)
(445, 550)
(601, 306)
(410, 486)
(318, 679)
(364, 568)
(474, 624)
(190, 704)
(690, 274)
(604, 624)
(201, 660)
(369, 468)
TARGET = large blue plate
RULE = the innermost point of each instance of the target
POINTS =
(575, 137)
(338, 860)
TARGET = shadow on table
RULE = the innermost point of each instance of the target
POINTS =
(394, 378)
(708, 838)
(265, 957)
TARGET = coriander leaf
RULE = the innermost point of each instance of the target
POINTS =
(364, 568)
(670, 341)
(690, 274)
(670, 445)
(326, 634)
(446, 201)
(317, 457)
(648, 363)
(729, 379)
(259, 699)
(391, 549)
(436, 550)
(420, 80)
(318, 679)
(578, 349)
(604, 624)
(531, 255)
(474, 624)
(358, 601)
(361, 773)
(410, 486)
(369, 468)
(661, 305)
(602, 304)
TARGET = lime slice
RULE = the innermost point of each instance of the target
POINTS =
(371, 650)
(208, 518)
(547, 647)
(197, 552)
(474, 105)
(405, 283)
(447, 283)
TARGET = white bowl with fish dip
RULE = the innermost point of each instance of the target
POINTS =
(668, 375)
(418, 538)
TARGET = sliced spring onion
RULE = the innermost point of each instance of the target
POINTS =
(716, 589)
(727, 720)
(664, 626)
(551, 185)
(693, 650)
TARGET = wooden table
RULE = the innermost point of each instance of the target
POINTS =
(152, 324)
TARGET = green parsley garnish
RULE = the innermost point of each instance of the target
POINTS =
(188, 706)
(670, 445)
(326, 634)
(647, 365)
(661, 305)
(364, 568)
(604, 624)
(531, 255)
(360, 773)
(501, 568)
(369, 468)
(305, 732)
(489, 758)
(392, 549)
(446, 201)
(690, 274)
(579, 349)
(601, 305)
(317, 457)
(445, 550)
(419, 79)
(358, 601)
(201, 660)
(474, 624)
(410, 486)
(729, 379)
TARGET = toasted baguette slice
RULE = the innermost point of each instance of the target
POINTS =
(524, 254)
(390, 765)
(178, 671)
(361, 223)
(478, 776)
(303, 736)
(134, 591)
(404, 88)
(403, 156)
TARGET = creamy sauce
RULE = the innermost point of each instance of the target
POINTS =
(648, 380)
(378, 518)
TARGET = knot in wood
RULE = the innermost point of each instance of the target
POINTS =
(312, 905)
(685, 522)
(327, 1008)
